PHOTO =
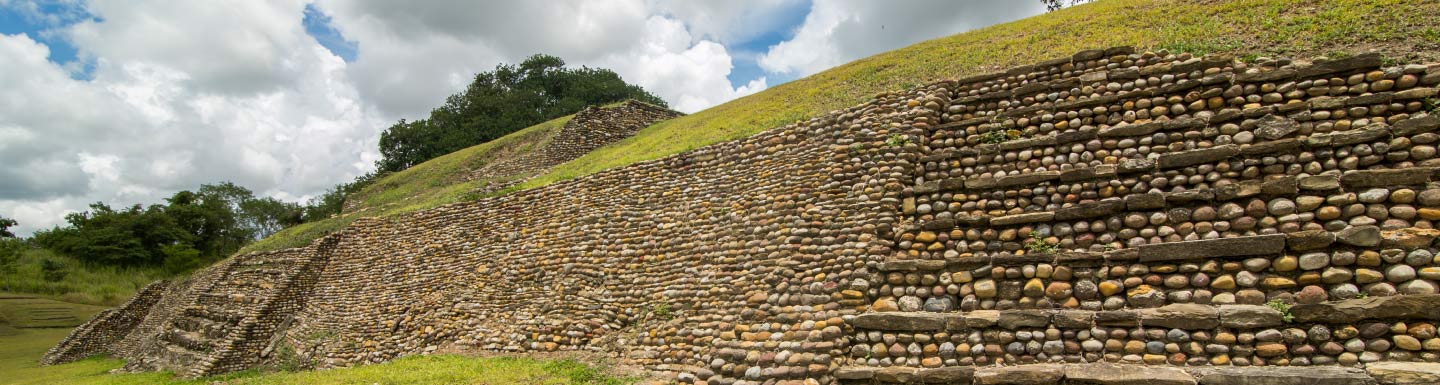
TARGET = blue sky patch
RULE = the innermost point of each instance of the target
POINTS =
(42, 21)
(745, 55)
(319, 26)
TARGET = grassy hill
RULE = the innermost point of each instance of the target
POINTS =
(427, 185)
(1402, 30)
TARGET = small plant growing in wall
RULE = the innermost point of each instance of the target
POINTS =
(1038, 245)
(994, 137)
(662, 311)
(1000, 136)
(1283, 308)
(1432, 105)
(856, 148)
(897, 140)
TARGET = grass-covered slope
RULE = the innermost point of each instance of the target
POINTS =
(1403, 30)
(427, 185)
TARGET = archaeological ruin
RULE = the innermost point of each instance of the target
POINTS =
(1112, 217)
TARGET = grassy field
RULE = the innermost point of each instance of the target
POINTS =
(30, 325)
(1403, 30)
(95, 285)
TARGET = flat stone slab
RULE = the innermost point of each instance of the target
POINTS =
(1280, 375)
(1116, 374)
(1042, 374)
(1355, 179)
(1404, 373)
(900, 321)
(1197, 156)
(1417, 306)
(1211, 248)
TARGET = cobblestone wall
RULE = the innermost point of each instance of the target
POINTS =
(591, 128)
(1196, 220)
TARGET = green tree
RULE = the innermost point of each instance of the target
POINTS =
(1052, 5)
(129, 237)
(5, 225)
(502, 101)
(191, 229)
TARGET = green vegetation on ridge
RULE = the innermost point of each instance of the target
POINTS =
(499, 102)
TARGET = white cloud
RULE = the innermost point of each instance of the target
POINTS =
(840, 31)
(413, 55)
(182, 94)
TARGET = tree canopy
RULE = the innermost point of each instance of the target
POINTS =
(189, 230)
(502, 101)
(5, 225)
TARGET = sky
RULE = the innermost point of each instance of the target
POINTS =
(129, 101)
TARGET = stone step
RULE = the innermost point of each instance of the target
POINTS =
(1181, 316)
(188, 340)
(1121, 374)
(1237, 247)
(223, 316)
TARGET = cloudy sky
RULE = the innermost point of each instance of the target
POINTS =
(129, 101)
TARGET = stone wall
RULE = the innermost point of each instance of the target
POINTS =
(591, 128)
(1198, 220)
(103, 332)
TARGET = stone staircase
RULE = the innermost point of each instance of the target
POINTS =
(105, 329)
(217, 333)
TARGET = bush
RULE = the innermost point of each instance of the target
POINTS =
(52, 270)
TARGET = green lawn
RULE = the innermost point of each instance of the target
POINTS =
(22, 344)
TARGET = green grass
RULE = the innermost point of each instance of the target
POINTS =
(19, 353)
(95, 285)
(427, 185)
(21, 348)
(1402, 30)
